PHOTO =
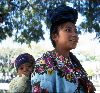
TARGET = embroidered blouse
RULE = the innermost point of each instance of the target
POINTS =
(55, 73)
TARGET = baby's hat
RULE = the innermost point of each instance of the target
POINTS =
(24, 58)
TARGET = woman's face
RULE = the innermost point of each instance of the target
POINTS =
(25, 69)
(67, 37)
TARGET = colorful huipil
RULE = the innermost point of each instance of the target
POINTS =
(54, 73)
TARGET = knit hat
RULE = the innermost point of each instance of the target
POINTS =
(24, 58)
(61, 14)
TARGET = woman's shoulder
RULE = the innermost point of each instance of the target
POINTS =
(45, 56)
(44, 63)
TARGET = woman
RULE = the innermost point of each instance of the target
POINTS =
(59, 70)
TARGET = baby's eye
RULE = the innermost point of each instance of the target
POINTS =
(29, 65)
(21, 68)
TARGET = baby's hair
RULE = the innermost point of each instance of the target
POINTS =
(24, 58)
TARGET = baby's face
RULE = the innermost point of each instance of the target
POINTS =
(25, 69)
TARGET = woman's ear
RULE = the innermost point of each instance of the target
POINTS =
(54, 37)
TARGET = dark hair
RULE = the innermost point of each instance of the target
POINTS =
(60, 15)
(53, 30)
(24, 58)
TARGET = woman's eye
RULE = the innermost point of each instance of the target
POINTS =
(68, 30)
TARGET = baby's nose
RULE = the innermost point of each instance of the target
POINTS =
(25, 69)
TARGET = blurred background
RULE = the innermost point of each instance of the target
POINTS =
(25, 28)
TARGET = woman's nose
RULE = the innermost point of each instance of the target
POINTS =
(74, 34)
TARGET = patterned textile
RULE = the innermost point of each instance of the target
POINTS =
(54, 73)
(20, 85)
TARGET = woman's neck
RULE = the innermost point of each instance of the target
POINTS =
(62, 52)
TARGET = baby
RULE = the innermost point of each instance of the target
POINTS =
(24, 64)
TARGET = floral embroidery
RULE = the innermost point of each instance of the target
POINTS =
(53, 61)
(42, 61)
(37, 89)
(50, 71)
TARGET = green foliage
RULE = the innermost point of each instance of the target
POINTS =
(7, 56)
(91, 11)
(22, 18)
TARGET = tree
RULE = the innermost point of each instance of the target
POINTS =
(91, 11)
(23, 18)
(8, 56)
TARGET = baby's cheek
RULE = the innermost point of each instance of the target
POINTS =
(30, 70)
